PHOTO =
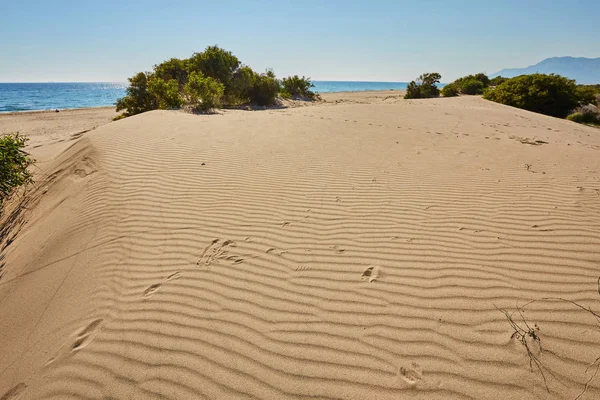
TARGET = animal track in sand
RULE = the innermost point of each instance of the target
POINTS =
(86, 335)
(151, 289)
(175, 275)
(214, 251)
(14, 392)
(412, 374)
(372, 273)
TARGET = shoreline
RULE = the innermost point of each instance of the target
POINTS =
(326, 94)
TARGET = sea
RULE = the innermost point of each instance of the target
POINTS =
(51, 96)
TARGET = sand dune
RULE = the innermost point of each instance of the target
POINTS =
(355, 249)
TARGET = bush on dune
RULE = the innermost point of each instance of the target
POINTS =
(299, 87)
(424, 87)
(138, 99)
(204, 93)
(450, 90)
(166, 93)
(552, 94)
(240, 89)
(497, 80)
(588, 114)
(172, 69)
(14, 162)
(472, 84)
(215, 63)
(220, 79)
(265, 89)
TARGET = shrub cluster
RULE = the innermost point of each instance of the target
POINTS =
(14, 162)
(450, 90)
(207, 80)
(552, 94)
(424, 87)
(470, 84)
(588, 114)
(497, 80)
(294, 86)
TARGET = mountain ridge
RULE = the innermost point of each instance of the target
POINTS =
(584, 70)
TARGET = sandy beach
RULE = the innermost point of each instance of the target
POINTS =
(362, 247)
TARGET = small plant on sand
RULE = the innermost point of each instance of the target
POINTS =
(14, 163)
(589, 114)
(450, 90)
(528, 335)
(296, 86)
(204, 93)
(424, 87)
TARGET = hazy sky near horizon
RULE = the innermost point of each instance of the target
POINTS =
(376, 40)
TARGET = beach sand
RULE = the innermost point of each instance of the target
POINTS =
(358, 248)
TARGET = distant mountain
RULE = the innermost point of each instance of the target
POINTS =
(583, 70)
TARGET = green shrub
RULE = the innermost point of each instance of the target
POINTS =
(14, 162)
(587, 94)
(241, 86)
(424, 87)
(589, 114)
(471, 86)
(204, 93)
(296, 86)
(552, 95)
(215, 62)
(172, 69)
(265, 89)
(450, 90)
(138, 99)
(166, 93)
(497, 81)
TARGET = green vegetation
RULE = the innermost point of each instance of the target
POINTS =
(450, 90)
(472, 84)
(552, 94)
(265, 89)
(589, 114)
(497, 80)
(166, 94)
(294, 86)
(207, 80)
(424, 87)
(204, 93)
(14, 162)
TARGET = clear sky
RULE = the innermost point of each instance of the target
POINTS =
(374, 40)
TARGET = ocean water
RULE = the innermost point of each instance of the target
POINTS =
(50, 96)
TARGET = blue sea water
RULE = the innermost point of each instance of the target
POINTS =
(50, 96)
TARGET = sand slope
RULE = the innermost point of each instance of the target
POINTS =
(349, 250)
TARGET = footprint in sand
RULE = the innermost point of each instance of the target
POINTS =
(86, 335)
(14, 392)
(412, 374)
(371, 273)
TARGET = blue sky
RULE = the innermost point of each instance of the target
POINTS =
(375, 40)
